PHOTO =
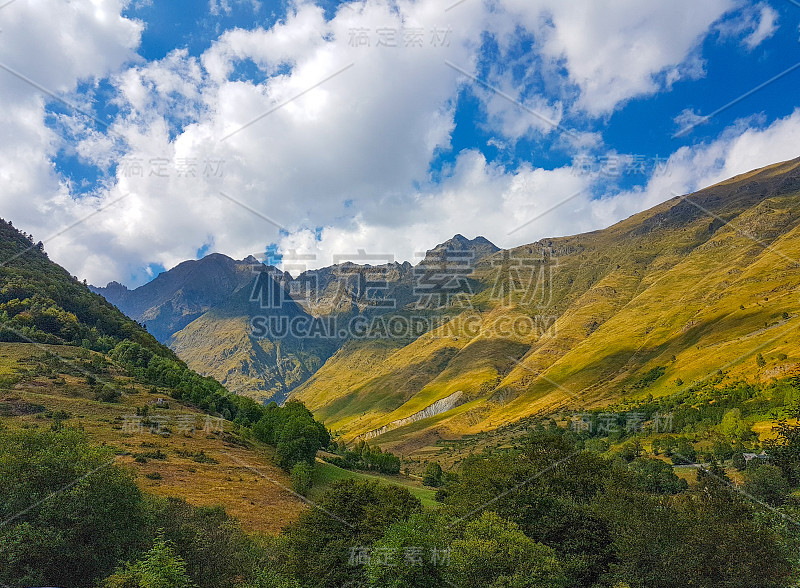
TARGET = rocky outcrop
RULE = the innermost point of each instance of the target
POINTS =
(438, 407)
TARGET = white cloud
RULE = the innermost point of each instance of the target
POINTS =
(342, 163)
(754, 24)
(742, 147)
(767, 25)
(480, 199)
(52, 45)
(615, 50)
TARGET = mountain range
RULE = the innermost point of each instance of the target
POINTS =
(473, 337)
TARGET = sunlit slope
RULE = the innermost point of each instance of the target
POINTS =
(366, 385)
(219, 344)
(45, 386)
(646, 306)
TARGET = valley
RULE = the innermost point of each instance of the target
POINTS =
(697, 284)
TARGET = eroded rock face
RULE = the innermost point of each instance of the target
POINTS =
(437, 408)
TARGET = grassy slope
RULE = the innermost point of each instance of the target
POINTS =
(244, 480)
(669, 282)
(218, 344)
(326, 474)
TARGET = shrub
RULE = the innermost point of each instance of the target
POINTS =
(302, 477)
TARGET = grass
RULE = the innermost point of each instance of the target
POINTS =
(663, 297)
(326, 474)
(214, 467)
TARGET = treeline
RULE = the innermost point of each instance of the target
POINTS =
(41, 302)
(184, 384)
(291, 429)
(714, 404)
(364, 457)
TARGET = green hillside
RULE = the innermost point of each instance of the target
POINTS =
(646, 307)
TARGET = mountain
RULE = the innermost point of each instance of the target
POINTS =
(205, 310)
(694, 288)
(473, 338)
(70, 360)
(202, 309)
(175, 298)
(477, 248)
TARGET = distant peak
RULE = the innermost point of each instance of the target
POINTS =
(114, 285)
(459, 242)
(479, 247)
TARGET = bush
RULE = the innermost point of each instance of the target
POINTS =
(302, 476)
(433, 475)
(108, 394)
(766, 482)
(160, 568)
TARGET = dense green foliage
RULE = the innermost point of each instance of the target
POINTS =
(785, 449)
(433, 475)
(302, 476)
(159, 568)
(40, 302)
(71, 517)
(68, 513)
(294, 432)
(551, 514)
(322, 548)
(364, 457)
(544, 514)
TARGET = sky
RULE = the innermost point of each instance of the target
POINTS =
(139, 134)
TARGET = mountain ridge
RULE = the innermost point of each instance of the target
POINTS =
(180, 312)
(666, 295)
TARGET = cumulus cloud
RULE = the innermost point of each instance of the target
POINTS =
(329, 151)
(46, 48)
(615, 50)
(744, 146)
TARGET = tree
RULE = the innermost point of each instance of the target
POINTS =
(299, 441)
(302, 477)
(351, 516)
(70, 514)
(414, 551)
(657, 477)
(494, 552)
(546, 488)
(160, 568)
(738, 461)
(711, 538)
(433, 475)
(732, 425)
(684, 452)
(766, 482)
(212, 544)
(784, 450)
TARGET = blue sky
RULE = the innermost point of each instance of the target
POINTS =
(386, 149)
(643, 126)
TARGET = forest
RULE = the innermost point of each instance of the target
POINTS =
(545, 513)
